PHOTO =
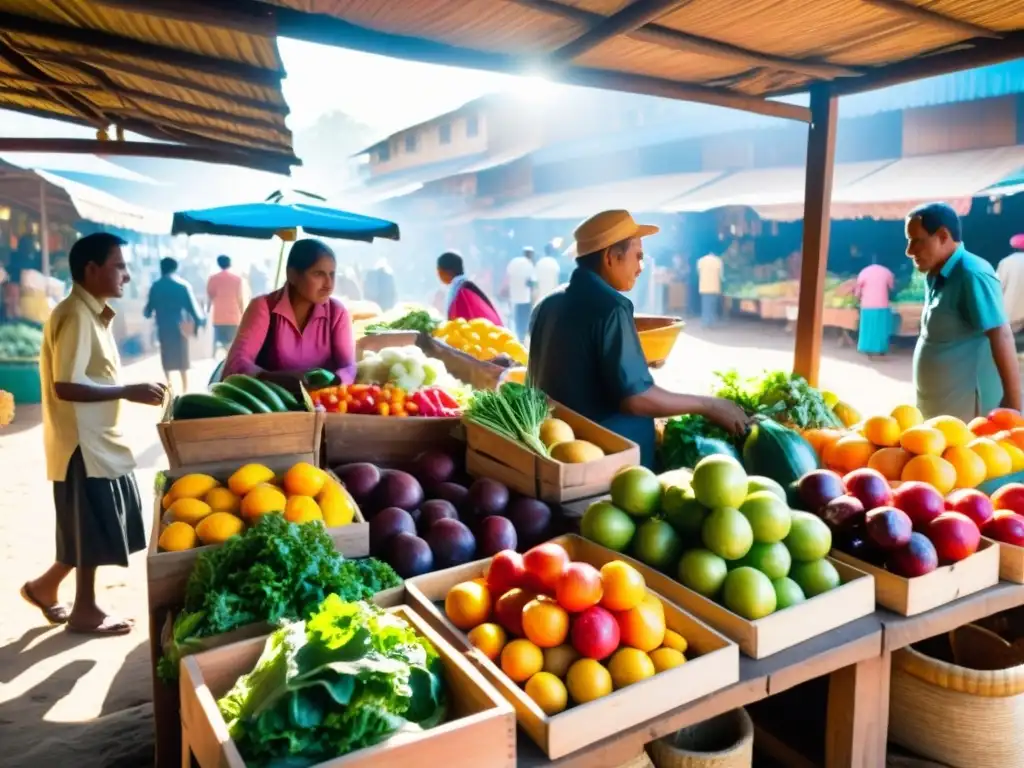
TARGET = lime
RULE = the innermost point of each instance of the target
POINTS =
(684, 512)
(636, 491)
(773, 560)
(702, 571)
(727, 533)
(815, 577)
(757, 483)
(787, 593)
(608, 525)
(719, 481)
(657, 544)
(809, 537)
(768, 515)
(749, 593)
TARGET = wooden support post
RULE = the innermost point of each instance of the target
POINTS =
(44, 227)
(858, 714)
(821, 146)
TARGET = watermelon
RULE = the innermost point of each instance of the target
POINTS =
(777, 452)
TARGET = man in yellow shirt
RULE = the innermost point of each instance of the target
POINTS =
(99, 512)
(709, 272)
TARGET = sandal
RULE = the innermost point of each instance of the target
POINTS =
(109, 626)
(55, 614)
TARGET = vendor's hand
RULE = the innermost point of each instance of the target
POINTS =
(727, 415)
(147, 394)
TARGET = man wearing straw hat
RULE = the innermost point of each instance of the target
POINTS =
(585, 352)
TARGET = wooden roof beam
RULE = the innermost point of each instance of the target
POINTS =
(667, 37)
(104, 41)
(629, 19)
(932, 18)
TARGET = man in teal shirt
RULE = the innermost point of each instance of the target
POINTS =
(584, 349)
(965, 362)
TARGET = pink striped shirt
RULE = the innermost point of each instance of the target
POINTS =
(873, 286)
(269, 339)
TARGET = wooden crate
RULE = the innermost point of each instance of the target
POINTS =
(854, 598)
(386, 440)
(479, 374)
(909, 597)
(715, 665)
(482, 733)
(1011, 562)
(240, 439)
(488, 454)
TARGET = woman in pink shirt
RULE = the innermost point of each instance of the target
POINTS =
(295, 329)
(873, 286)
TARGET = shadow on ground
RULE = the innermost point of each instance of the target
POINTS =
(26, 417)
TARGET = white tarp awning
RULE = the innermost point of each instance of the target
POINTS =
(102, 208)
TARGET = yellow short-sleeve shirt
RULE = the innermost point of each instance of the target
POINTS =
(79, 347)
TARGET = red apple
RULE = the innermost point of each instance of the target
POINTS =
(505, 571)
(1010, 496)
(508, 609)
(915, 559)
(888, 527)
(920, 501)
(954, 535)
(1005, 526)
(974, 504)
(818, 487)
(545, 565)
(595, 633)
(579, 588)
(843, 512)
(870, 486)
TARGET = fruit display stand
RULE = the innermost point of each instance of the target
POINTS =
(481, 733)
(1011, 562)
(488, 454)
(714, 667)
(385, 440)
(846, 318)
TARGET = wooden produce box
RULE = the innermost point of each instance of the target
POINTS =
(488, 454)
(909, 597)
(760, 638)
(479, 374)
(480, 734)
(240, 439)
(715, 667)
(375, 342)
(1011, 562)
(388, 440)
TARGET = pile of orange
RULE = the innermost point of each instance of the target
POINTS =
(565, 631)
(942, 451)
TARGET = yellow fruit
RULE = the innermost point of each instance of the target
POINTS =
(1015, 453)
(846, 413)
(248, 477)
(336, 505)
(969, 466)
(548, 692)
(177, 537)
(219, 527)
(831, 398)
(907, 416)
(923, 440)
(554, 431)
(890, 462)
(489, 639)
(557, 660)
(166, 500)
(193, 486)
(576, 452)
(302, 509)
(955, 431)
(675, 641)
(883, 431)
(588, 680)
(997, 460)
(264, 499)
(628, 666)
(467, 604)
(188, 510)
(666, 658)
(516, 351)
(304, 480)
(933, 470)
(222, 499)
(521, 660)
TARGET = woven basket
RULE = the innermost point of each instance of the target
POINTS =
(962, 717)
(726, 741)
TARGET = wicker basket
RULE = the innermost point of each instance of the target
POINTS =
(726, 741)
(962, 717)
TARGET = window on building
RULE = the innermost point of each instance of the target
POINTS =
(410, 142)
(383, 153)
(472, 126)
(446, 133)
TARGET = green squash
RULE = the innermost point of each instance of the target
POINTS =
(777, 452)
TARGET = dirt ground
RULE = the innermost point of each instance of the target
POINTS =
(61, 694)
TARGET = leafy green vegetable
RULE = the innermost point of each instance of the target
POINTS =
(349, 677)
(689, 438)
(20, 340)
(784, 397)
(417, 320)
(514, 411)
(276, 570)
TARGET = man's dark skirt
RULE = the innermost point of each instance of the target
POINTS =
(99, 521)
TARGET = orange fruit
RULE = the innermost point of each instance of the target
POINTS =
(1015, 453)
(883, 431)
(467, 604)
(177, 537)
(624, 586)
(982, 427)
(302, 509)
(1006, 418)
(907, 416)
(628, 666)
(579, 588)
(821, 439)
(933, 470)
(222, 499)
(303, 479)
(848, 453)
(997, 461)
(643, 627)
(890, 462)
(218, 527)
(1017, 436)
(557, 660)
(166, 500)
(248, 477)
(189, 511)
(489, 639)
(666, 658)
(923, 440)
(521, 660)
(675, 640)
(264, 499)
(969, 466)
(954, 430)
(548, 692)
(545, 622)
(588, 680)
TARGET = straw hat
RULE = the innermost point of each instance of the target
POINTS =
(606, 229)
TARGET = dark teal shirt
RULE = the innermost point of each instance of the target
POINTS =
(954, 371)
(585, 353)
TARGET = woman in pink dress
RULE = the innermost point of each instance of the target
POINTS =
(465, 298)
(299, 327)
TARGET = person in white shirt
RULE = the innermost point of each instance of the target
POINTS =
(547, 272)
(1011, 274)
(522, 280)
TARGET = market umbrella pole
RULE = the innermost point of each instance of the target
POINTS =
(280, 263)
